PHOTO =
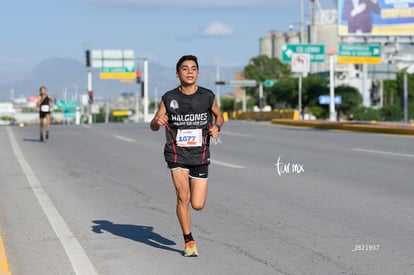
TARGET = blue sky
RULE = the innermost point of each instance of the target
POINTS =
(224, 32)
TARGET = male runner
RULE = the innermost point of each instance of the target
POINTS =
(187, 113)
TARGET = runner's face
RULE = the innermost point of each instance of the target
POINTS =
(43, 91)
(188, 72)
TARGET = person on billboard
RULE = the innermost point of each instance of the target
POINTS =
(358, 14)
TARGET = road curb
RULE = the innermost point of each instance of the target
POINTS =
(350, 126)
(4, 264)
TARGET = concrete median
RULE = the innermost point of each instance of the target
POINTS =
(372, 127)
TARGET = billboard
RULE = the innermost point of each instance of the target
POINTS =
(376, 17)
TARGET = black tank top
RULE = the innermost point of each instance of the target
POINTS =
(45, 105)
(189, 118)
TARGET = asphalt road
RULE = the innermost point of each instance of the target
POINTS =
(99, 199)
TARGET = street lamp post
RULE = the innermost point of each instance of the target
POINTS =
(145, 90)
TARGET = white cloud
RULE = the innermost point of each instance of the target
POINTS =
(217, 29)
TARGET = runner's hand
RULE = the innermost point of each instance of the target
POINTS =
(214, 131)
(162, 120)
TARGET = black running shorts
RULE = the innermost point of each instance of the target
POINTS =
(196, 171)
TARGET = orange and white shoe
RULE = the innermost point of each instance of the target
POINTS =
(190, 249)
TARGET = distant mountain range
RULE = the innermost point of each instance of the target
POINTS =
(68, 77)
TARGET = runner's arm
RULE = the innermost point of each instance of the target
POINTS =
(218, 114)
(38, 102)
(160, 118)
(219, 119)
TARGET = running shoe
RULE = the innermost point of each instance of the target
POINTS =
(47, 135)
(41, 137)
(190, 249)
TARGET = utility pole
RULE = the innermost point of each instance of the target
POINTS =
(302, 23)
(146, 118)
(405, 97)
(218, 86)
(89, 92)
(332, 113)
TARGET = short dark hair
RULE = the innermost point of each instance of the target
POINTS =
(185, 58)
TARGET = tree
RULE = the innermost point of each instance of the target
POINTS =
(261, 68)
(390, 95)
(312, 88)
(351, 98)
(227, 104)
(284, 94)
(286, 91)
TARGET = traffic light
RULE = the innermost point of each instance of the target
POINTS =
(138, 74)
(88, 58)
(90, 94)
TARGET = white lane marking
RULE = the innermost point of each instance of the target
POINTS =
(79, 259)
(237, 134)
(383, 152)
(125, 138)
(226, 164)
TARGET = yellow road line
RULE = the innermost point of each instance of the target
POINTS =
(4, 264)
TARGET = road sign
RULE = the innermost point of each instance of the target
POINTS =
(109, 63)
(95, 109)
(117, 73)
(269, 82)
(359, 53)
(300, 63)
(238, 83)
(326, 99)
(316, 51)
(68, 108)
(112, 58)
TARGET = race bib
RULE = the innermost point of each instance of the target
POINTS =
(189, 137)
(44, 108)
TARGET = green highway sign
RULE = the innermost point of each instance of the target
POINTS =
(68, 108)
(269, 82)
(359, 53)
(316, 52)
(117, 73)
(118, 70)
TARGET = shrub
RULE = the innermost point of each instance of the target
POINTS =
(366, 114)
